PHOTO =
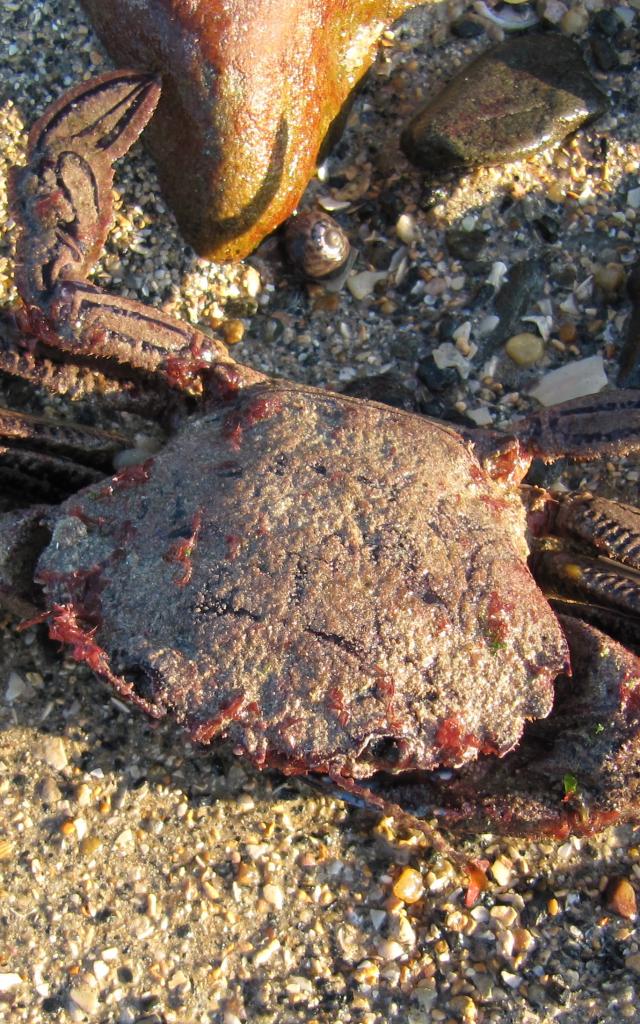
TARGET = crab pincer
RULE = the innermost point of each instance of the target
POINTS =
(62, 198)
(63, 202)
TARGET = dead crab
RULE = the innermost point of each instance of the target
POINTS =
(336, 587)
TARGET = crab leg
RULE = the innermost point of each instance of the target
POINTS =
(62, 199)
(46, 458)
(610, 527)
(585, 429)
(630, 356)
(585, 551)
(597, 426)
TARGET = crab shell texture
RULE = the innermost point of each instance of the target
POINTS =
(334, 585)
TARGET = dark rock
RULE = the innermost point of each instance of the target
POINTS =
(433, 377)
(517, 98)
(606, 22)
(391, 205)
(446, 327)
(467, 28)
(566, 276)
(408, 282)
(465, 245)
(486, 291)
(440, 409)
(378, 254)
(604, 53)
(524, 283)
(387, 388)
(547, 227)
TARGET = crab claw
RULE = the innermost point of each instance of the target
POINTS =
(63, 205)
(62, 198)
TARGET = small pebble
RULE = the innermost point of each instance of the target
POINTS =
(9, 981)
(633, 198)
(575, 21)
(620, 897)
(523, 940)
(233, 331)
(85, 997)
(506, 944)
(408, 886)
(502, 871)
(100, 970)
(83, 794)
(52, 750)
(610, 279)
(567, 333)
(506, 916)
(361, 285)
(389, 949)
(17, 688)
(274, 894)
(632, 962)
(465, 1007)
(511, 980)
(48, 790)
(407, 230)
(525, 349)
(581, 377)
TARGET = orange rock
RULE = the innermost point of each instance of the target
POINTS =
(620, 897)
(250, 91)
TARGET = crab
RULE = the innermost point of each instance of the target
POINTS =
(339, 589)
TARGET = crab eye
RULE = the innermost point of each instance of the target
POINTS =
(145, 680)
(386, 750)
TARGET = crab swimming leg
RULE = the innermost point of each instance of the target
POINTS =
(62, 202)
(589, 562)
(45, 459)
(585, 550)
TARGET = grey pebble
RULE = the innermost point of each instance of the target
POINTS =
(48, 790)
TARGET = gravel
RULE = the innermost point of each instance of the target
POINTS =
(145, 880)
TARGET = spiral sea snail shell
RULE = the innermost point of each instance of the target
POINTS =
(317, 246)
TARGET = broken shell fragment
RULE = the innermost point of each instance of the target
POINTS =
(581, 377)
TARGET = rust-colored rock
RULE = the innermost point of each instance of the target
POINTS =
(620, 897)
(249, 92)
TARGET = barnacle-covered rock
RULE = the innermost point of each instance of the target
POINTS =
(249, 92)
